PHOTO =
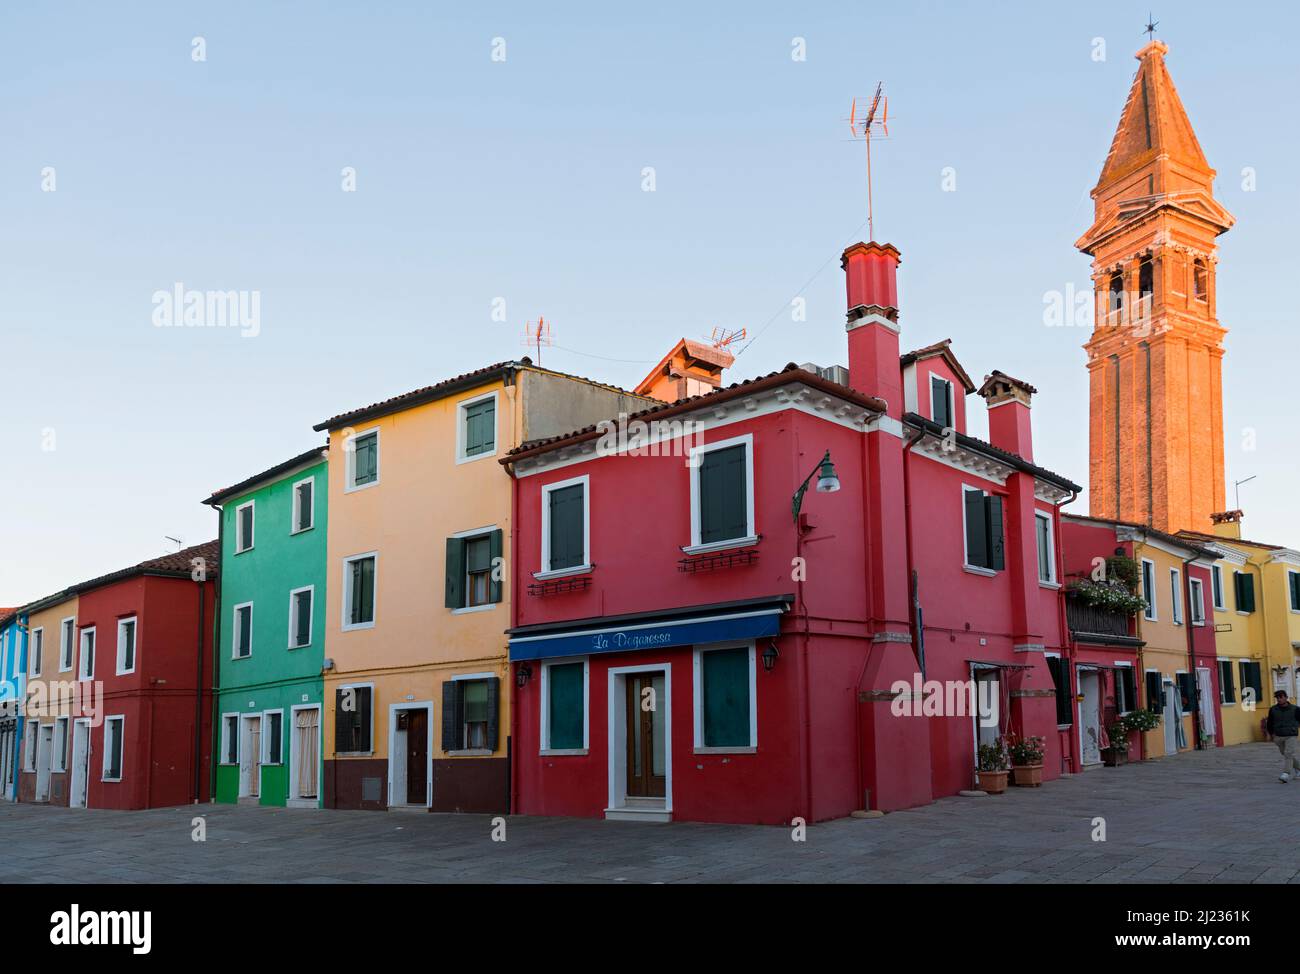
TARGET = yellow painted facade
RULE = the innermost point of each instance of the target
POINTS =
(57, 695)
(1165, 649)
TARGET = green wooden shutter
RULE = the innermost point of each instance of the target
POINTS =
(363, 719)
(1248, 591)
(480, 428)
(246, 630)
(977, 544)
(343, 720)
(303, 620)
(493, 710)
(1155, 693)
(939, 406)
(1256, 680)
(724, 507)
(496, 542)
(725, 673)
(1294, 579)
(567, 534)
(451, 716)
(565, 706)
(363, 590)
(304, 506)
(997, 547)
(454, 597)
(1225, 681)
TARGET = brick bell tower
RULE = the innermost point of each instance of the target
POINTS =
(1156, 351)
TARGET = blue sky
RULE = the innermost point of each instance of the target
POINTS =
(479, 179)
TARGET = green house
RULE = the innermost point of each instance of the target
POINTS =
(270, 635)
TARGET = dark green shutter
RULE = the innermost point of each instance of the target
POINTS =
(939, 402)
(976, 530)
(454, 597)
(567, 534)
(246, 630)
(493, 710)
(1225, 681)
(1155, 693)
(725, 673)
(480, 428)
(1187, 688)
(997, 548)
(1060, 672)
(304, 506)
(1256, 680)
(1294, 579)
(451, 740)
(497, 565)
(245, 527)
(343, 721)
(303, 634)
(1244, 584)
(565, 706)
(363, 719)
(724, 508)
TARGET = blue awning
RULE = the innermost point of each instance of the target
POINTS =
(751, 622)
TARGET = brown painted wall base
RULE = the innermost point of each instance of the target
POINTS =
(356, 783)
(471, 785)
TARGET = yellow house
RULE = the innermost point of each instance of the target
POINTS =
(1256, 592)
(418, 590)
(52, 701)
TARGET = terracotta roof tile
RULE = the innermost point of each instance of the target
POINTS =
(282, 467)
(944, 350)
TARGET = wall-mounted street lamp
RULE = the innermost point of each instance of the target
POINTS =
(770, 656)
(523, 674)
(828, 482)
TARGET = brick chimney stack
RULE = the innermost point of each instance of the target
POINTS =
(871, 280)
(1009, 402)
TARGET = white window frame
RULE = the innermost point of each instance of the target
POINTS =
(295, 509)
(350, 460)
(57, 751)
(965, 552)
(222, 758)
(1176, 591)
(1126, 665)
(136, 658)
(31, 743)
(121, 739)
(67, 644)
(234, 631)
(547, 490)
(265, 742)
(697, 697)
(35, 646)
(952, 400)
(1150, 613)
(252, 526)
(544, 737)
(347, 593)
(1221, 661)
(462, 409)
(1289, 574)
(695, 466)
(81, 653)
(293, 616)
(1197, 606)
(1050, 581)
(373, 702)
(1216, 589)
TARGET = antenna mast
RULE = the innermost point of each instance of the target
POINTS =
(863, 130)
(537, 335)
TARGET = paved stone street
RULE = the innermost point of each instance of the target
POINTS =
(1210, 817)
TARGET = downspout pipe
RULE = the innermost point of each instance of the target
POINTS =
(216, 654)
(198, 696)
(1191, 651)
(1063, 620)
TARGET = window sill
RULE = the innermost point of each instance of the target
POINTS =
(110, 780)
(563, 572)
(1240, 613)
(244, 551)
(472, 752)
(564, 752)
(476, 456)
(302, 530)
(467, 609)
(356, 487)
(726, 750)
(358, 625)
(354, 754)
(1051, 585)
(976, 570)
(303, 646)
(701, 549)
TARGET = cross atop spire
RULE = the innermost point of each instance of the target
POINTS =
(1150, 30)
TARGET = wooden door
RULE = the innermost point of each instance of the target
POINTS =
(646, 738)
(417, 757)
(254, 756)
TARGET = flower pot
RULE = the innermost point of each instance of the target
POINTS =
(1027, 775)
(1112, 758)
(994, 782)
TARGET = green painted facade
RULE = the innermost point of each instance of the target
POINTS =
(264, 666)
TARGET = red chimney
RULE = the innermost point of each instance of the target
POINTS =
(1008, 400)
(871, 280)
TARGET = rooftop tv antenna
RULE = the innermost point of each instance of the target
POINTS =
(176, 541)
(722, 337)
(876, 117)
(538, 335)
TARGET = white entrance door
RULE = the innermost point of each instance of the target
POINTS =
(1089, 717)
(1205, 691)
(44, 752)
(1173, 716)
(80, 763)
(8, 745)
(304, 755)
(250, 757)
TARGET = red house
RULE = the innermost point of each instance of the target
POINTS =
(798, 596)
(144, 637)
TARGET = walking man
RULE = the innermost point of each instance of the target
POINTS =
(1283, 726)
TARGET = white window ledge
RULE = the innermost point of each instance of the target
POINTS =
(1054, 585)
(466, 609)
(976, 570)
(563, 572)
(564, 752)
(726, 750)
(472, 752)
(700, 549)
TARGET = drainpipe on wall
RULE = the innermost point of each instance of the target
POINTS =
(1191, 652)
(1063, 620)
(216, 653)
(198, 699)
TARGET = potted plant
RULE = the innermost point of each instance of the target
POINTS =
(1117, 752)
(1141, 720)
(993, 767)
(1026, 761)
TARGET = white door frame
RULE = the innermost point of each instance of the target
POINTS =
(618, 733)
(1093, 676)
(976, 670)
(249, 755)
(1173, 709)
(44, 755)
(79, 778)
(393, 708)
(1206, 700)
(290, 798)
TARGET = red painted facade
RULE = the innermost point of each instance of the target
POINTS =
(161, 699)
(832, 731)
